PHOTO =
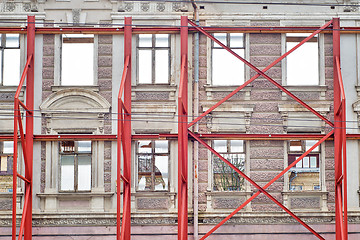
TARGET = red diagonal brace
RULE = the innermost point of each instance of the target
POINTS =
(266, 186)
(260, 73)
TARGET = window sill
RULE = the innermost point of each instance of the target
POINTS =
(11, 89)
(75, 194)
(227, 193)
(212, 91)
(305, 193)
(59, 88)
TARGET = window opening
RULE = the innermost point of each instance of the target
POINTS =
(9, 59)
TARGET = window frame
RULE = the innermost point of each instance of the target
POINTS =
(228, 44)
(76, 155)
(292, 156)
(153, 173)
(153, 49)
(3, 47)
(9, 159)
(321, 61)
(58, 68)
(228, 152)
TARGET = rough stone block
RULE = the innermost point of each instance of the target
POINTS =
(152, 96)
(104, 61)
(264, 61)
(265, 50)
(48, 61)
(105, 39)
(264, 38)
(105, 72)
(266, 143)
(104, 49)
(329, 175)
(264, 176)
(107, 166)
(266, 118)
(48, 38)
(268, 95)
(266, 129)
(267, 152)
(107, 177)
(48, 50)
(202, 61)
(48, 73)
(266, 164)
(203, 165)
(203, 177)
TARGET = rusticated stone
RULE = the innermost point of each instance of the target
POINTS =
(105, 72)
(264, 61)
(264, 176)
(48, 38)
(152, 96)
(104, 61)
(266, 143)
(48, 50)
(265, 49)
(203, 165)
(105, 39)
(203, 177)
(267, 152)
(48, 73)
(266, 118)
(262, 198)
(266, 107)
(266, 129)
(265, 38)
(152, 203)
(48, 61)
(105, 49)
(266, 164)
(268, 95)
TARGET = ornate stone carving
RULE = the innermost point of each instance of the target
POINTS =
(160, 6)
(129, 7)
(145, 7)
(10, 6)
(27, 7)
(76, 16)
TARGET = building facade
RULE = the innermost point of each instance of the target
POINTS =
(77, 80)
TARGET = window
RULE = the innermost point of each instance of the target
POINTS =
(224, 177)
(305, 175)
(6, 153)
(75, 166)
(302, 65)
(226, 69)
(10, 59)
(77, 59)
(152, 165)
(153, 58)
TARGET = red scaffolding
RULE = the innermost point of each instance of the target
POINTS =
(124, 135)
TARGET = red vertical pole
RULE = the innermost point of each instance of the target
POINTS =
(16, 113)
(29, 125)
(183, 135)
(339, 142)
(126, 219)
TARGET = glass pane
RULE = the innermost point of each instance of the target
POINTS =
(236, 145)
(161, 146)
(313, 162)
(8, 147)
(77, 64)
(161, 172)
(1, 68)
(84, 146)
(67, 172)
(220, 146)
(306, 163)
(225, 178)
(11, 67)
(161, 66)
(226, 69)
(299, 164)
(144, 146)
(236, 40)
(145, 66)
(303, 64)
(145, 40)
(310, 143)
(221, 37)
(12, 40)
(84, 173)
(3, 166)
(161, 40)
(144, 172)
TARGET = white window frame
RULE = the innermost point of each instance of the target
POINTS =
(321, 61)
(3, 47)
(211, 46)
(58, 64)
